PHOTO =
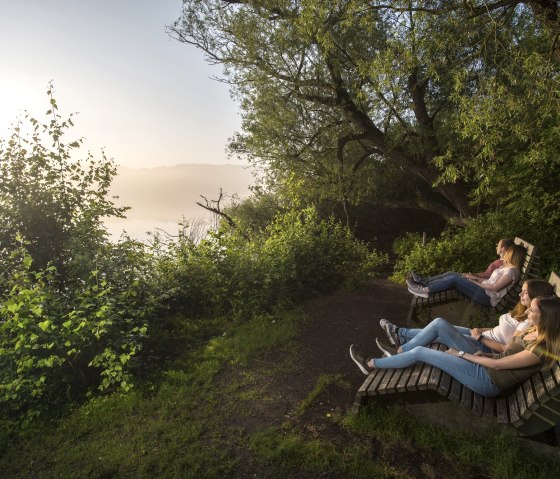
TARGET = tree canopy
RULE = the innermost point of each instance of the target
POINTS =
(460, 97)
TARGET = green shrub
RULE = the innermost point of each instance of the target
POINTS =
(57, 344)
(472, 248)
(233, 272)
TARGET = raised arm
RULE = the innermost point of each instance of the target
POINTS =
(505, 280)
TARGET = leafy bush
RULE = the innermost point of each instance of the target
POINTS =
(458, 249)
(55, 344)
(233, 272)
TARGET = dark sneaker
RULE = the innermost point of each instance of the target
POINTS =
(419, 291)
(391, 331)
(387, 349)
(411, 283)
(359, 358)
(418, 279)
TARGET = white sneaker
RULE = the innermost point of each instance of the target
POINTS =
(419, 291)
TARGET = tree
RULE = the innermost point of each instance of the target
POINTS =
(54, 202)
(388, 78)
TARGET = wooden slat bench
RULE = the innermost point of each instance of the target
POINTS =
(533, 407)
(529, 269)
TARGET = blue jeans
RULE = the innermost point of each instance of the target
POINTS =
(456, 281)
(430, 279)
(407, 334)
(472, 375)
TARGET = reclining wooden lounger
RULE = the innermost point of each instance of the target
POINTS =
(529, 269)
(533, 407)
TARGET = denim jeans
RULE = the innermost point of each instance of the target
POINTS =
(456, 281)
(407, 334)
(472, 375)
(430, 279)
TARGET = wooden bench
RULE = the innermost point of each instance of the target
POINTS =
(533, 407)
(529, 269)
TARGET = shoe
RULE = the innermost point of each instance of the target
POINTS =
(387, 349)
(419, 291)
(418, 279)
(411, 283)
(358, 357)
(391, 331)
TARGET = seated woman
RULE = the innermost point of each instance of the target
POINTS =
(482, 339)
(535, 349)
(488, 292)
(501, 248)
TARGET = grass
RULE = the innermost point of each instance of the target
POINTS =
(193, 419)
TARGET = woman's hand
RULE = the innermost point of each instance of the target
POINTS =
(453, 352)
(476, 332)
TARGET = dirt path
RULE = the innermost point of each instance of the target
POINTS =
(335, 322)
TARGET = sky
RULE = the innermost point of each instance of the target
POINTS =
(146, 99)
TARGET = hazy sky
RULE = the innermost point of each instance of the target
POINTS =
(147, 99)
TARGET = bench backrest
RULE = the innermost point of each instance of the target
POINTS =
(554, 280)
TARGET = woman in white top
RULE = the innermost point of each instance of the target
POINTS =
(488, 340)
(486, 293)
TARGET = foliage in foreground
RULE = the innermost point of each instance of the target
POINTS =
(193, 422)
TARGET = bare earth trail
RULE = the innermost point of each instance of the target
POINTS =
(334, 322)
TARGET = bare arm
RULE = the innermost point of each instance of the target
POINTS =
(515, 361)
(504, 281)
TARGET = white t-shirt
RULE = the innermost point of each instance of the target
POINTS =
(510, 271)
(507, 326)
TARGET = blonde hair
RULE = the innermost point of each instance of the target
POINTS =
(515, 255)
(547, 343)
(535, 287)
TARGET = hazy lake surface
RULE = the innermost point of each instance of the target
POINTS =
(164, 196)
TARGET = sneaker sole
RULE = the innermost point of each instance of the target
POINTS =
(419, 295)
(360, 365)
(385, 352)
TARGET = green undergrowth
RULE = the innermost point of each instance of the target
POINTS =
(492, 455)
(193, 420)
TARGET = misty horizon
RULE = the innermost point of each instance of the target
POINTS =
(162, 196)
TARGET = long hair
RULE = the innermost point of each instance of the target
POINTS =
(535, 287)
(547, 344)
(515, 254)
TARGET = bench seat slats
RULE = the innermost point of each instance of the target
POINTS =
(514, 415)
(415, 376)
(488, 411)
(392, 384)
(477, 404)
(382, 388)
(455, 392)
(404, 380)
(373, 387)
(502, 411)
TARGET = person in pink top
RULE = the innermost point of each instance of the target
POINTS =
(416, 280)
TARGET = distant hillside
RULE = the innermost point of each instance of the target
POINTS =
(160, 197)
(168, 193)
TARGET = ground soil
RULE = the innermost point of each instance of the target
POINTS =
(334, 322)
